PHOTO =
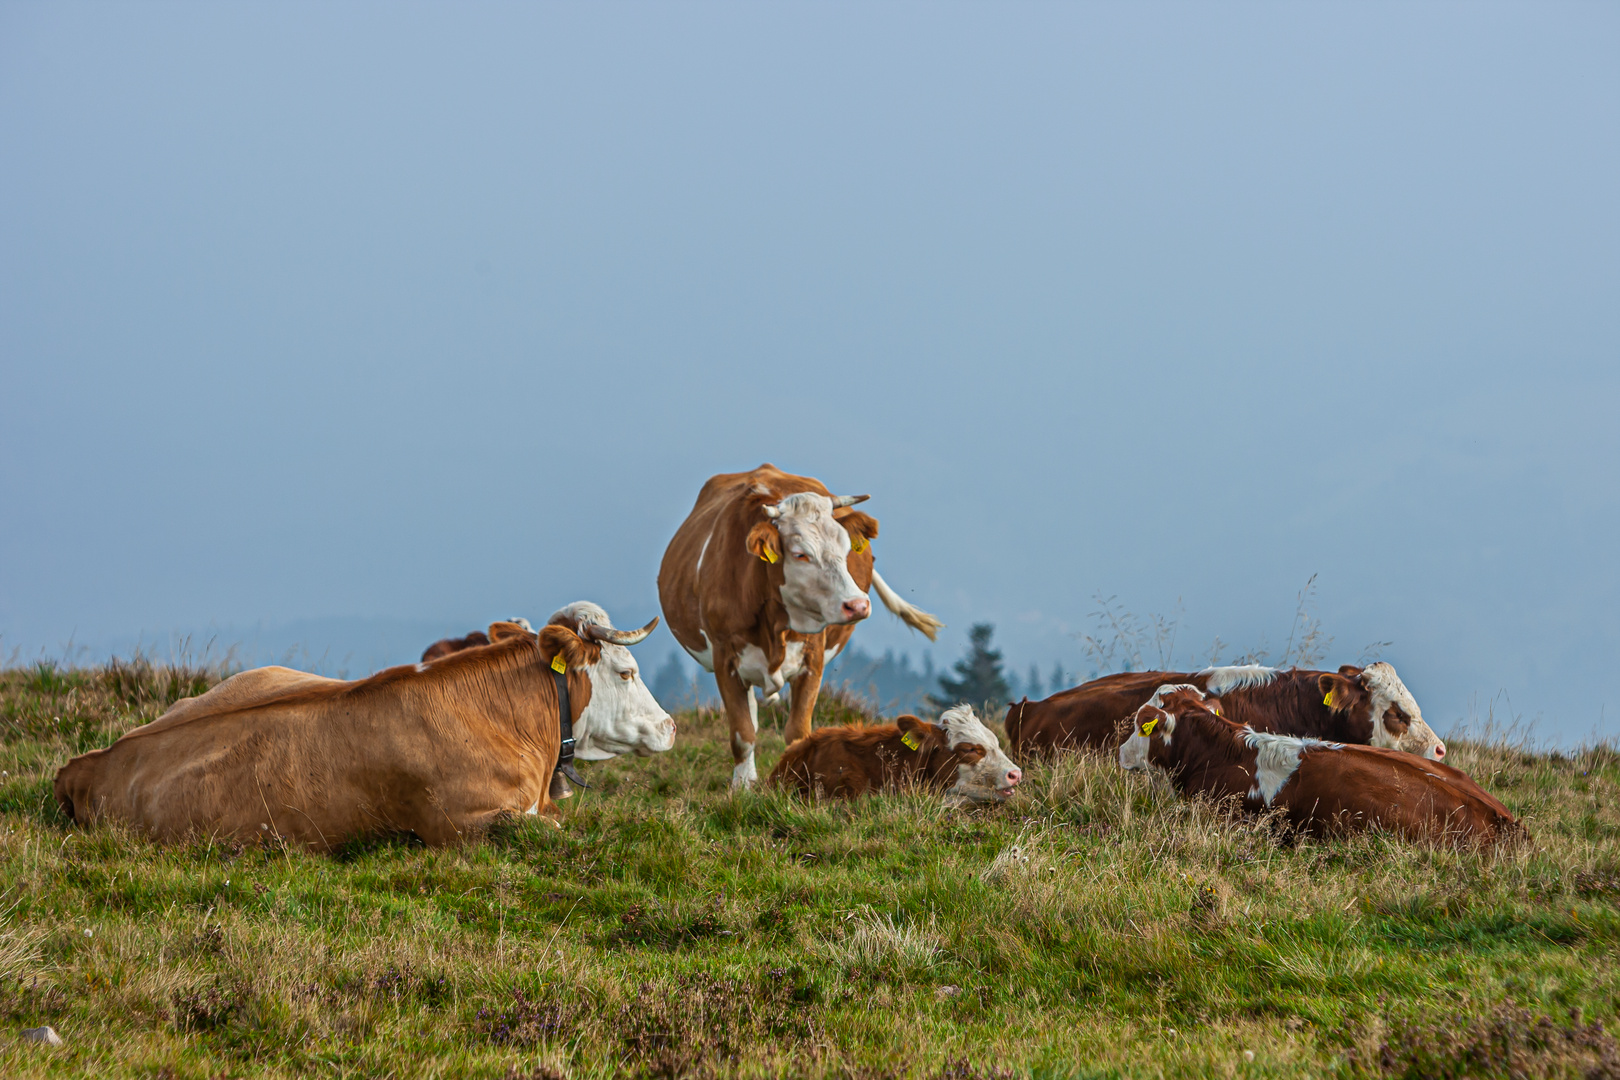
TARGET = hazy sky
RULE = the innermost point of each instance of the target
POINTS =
(441, 313)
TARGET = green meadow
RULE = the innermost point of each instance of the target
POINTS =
(1094, 926)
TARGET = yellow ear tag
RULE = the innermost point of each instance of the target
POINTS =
(1328, 701)
(911, 740)
(1147, 728)
(857, 543)
(559, 665)
(768, 555)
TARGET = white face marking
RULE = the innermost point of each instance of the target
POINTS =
(1385, 688)
(1237, 676)
(1277, 759)
(622, 717)
(990, 779)
(1133, 752)
(816, 583)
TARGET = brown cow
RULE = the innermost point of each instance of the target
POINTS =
(1366, 706)
(958, 755)
(439, 749)
(763, 584)
(446, 646)
(1324, 788)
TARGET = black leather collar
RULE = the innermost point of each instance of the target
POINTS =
(565, 723)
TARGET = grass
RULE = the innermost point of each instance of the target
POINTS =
(1095, 926)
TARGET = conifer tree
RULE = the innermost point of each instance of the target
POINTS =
(979, 680)
(1059, 683)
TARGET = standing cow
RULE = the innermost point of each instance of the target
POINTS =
(763, 584)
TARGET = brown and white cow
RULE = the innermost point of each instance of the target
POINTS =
(762, 585)
(446, 646)
(1323, 787)
(958, 756)
(438, 749)
(1365, 706)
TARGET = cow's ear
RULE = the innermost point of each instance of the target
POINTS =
(559, 643)
(1338, 692)
(501, 631)
(764, 542)
(920, 731)
(863, 528)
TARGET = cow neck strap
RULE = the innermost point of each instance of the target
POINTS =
(565, 725)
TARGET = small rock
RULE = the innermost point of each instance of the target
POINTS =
(46, 1035)
(1248, 1055)
(943, 992)
(1170, 1032)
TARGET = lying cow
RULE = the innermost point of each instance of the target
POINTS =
(446, 646)
(958, 755)
(1367, 706)
(762, 585)
(1324, 788)
(438, 749)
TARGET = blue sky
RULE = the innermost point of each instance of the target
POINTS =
(367, 316)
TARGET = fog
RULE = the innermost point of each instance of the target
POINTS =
(328, 327)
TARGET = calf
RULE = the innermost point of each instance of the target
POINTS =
(1324, 788)
(1367, 706)
(958, 756)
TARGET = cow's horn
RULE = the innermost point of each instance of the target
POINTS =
(848, 500)
(619, 637)
(773, 511)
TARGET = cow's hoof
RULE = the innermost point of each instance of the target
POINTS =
(560, 788)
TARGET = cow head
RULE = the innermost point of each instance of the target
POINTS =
(1153, 726)
(622, 716)
(982, 772)
(1375, 696)
(803, 540)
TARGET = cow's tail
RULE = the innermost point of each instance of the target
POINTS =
(914, 617)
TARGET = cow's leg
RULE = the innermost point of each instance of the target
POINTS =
(742, 711)
(806, 688)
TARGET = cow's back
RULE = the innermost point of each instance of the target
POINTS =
(1090, 716)
(1336, 791)
(835, 762)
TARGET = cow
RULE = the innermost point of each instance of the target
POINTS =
(1322, 787)
(437, 749)
(958, 756)
(762, 585)
(446, 646)
(1365, 706)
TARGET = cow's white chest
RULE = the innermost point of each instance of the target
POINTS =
(753, 669)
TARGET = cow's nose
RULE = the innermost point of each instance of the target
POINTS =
(1439, 751)
(858, 608)
(1013, 776)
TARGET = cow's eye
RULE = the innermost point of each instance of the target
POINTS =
(627, 675)
(801, 556)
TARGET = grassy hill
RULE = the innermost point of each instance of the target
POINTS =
(1095, 926)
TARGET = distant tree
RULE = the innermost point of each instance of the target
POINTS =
(671, 686)
(979, 680)
(1033, 686)
(1059, 683)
